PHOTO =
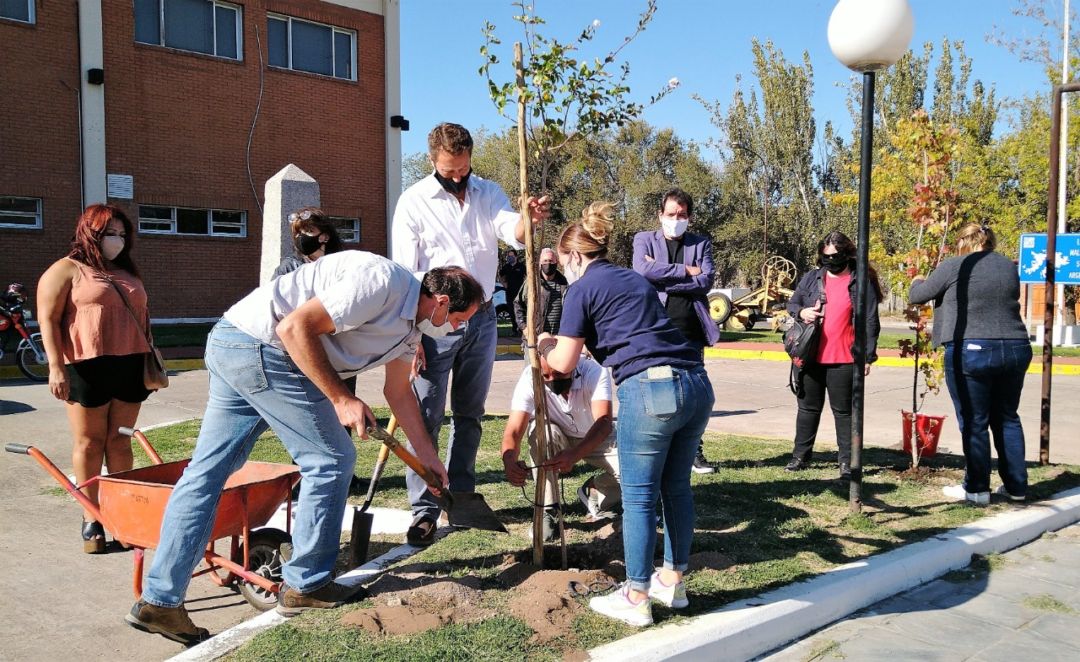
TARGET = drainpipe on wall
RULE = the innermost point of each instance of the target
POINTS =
(92, 103)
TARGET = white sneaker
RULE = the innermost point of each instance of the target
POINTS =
(673, 596)
(1001, 491)
(958, 493)
(617, 605)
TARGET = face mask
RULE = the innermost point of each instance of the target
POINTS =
(835, 263)
(111, 247)
(450, 186)
(429, 329)
(548, 269)
(307, 244)
(571, 274)
(560, 386)
(674, 227)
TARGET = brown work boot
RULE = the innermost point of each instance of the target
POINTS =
(292, 602)
(170, 622)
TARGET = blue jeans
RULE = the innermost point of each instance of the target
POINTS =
(470, 354)
(661, 420)
(253, 385)
(985, 378)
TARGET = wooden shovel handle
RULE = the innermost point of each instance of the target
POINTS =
(391, 443)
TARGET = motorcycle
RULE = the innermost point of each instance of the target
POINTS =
(30, 353)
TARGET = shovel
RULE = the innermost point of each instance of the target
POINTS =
(464, 509)
(362, 519)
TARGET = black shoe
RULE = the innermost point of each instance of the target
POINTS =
(845, 471)
(421, 532)
(701, 465)
(797, 465)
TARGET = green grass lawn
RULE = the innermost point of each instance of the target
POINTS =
(758, 526)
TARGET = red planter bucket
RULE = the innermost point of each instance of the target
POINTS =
(929, 431)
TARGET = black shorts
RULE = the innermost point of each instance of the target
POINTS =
(97, 381)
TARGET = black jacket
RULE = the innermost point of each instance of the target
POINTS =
(812, 287)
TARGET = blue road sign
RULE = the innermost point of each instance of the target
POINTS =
(1066, 259)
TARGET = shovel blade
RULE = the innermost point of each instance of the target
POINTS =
(361, 537)
(469, 510)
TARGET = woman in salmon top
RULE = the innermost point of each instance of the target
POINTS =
(96, 345)
(827, 294)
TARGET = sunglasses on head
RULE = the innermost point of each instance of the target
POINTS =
(305, 215)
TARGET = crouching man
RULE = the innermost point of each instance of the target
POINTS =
(578, 409)
(276, 359)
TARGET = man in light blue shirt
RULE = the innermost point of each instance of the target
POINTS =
(276, 359)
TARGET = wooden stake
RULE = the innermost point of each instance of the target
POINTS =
(533, 314)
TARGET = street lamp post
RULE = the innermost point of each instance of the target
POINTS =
(866, 35)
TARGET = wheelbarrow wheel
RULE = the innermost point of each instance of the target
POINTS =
(269, 550)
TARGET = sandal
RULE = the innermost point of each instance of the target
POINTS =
(93, 535)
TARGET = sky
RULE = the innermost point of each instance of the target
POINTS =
(706, 44)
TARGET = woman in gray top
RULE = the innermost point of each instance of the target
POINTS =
(977, 318)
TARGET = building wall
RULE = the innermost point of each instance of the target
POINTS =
(39, 135)
(179, 122)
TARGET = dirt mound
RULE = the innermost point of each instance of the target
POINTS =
(408, 606)
(544, 602)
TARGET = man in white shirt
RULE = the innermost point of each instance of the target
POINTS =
(578, 407)
(276, 359)
(455, 217)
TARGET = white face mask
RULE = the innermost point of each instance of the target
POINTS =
(570, 273)
(111, 246)
(429, 329)
(674, 228)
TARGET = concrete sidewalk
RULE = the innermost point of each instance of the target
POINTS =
(57, 602)
(1024, 604)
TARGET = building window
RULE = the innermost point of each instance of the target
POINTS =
(20, 212)
(184, 220)
(17, 10)
(312, 47)
(348, 229)
(200, 26)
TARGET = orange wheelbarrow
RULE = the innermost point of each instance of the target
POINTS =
(131, 505)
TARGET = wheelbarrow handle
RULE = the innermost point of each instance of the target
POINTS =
(18, 448)
(143, 441)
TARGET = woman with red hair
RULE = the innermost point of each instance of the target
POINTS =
(93, 316)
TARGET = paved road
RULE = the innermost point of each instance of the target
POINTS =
(1026, 606)
(56, 601)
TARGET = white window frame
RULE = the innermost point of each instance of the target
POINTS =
(354, 228)
(32, 16)
(210, 224)
(23, 226)
(213, 36)
(353, 39)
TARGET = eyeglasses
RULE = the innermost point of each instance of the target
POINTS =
(305, 215)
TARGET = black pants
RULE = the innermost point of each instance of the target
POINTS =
(816, 380)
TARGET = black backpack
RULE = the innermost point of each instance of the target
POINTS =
(800, 343)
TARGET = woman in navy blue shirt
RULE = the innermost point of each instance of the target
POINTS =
(665, 400)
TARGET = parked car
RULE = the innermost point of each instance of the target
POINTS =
(504, 313)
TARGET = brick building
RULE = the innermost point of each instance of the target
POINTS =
(179, 111)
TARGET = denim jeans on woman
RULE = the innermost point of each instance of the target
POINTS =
(985, 378)
(661, 419)
(253, 385)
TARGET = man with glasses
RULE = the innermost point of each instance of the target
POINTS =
(453, 216)
(679, 264)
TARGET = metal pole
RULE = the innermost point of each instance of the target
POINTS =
(862, 263)
(1063, 161)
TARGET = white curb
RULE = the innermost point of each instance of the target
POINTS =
(749, 628)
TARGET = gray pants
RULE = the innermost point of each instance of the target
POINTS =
(604, 457)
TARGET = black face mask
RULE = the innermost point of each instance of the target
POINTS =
(450, 186)
(835, 263)
(307, 244)
(561, 386)
(548, 269)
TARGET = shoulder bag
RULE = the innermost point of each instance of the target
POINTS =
(154, 375)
